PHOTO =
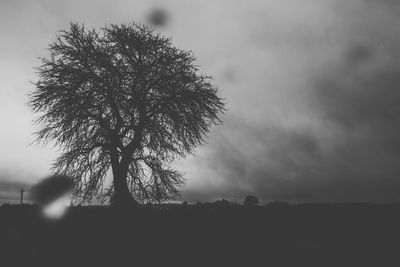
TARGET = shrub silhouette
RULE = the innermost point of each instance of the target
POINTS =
(222, 203)
(251, 201)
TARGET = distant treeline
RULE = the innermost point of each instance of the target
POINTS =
(233, 204)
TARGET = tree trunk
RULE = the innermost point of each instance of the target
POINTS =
(122, 196)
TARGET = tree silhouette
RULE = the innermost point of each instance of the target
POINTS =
(122, 97)
(251, 201)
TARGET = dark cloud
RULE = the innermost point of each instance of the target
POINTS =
(350, 153)
(264, 160)
(389, 3)
(359, 53)
(364, 101)
(275, 162)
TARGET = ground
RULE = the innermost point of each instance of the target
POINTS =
(203, 235)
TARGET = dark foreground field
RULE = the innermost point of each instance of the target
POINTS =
(203, 235)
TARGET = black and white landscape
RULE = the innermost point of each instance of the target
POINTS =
(223, 132)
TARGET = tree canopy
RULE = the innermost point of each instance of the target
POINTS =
(251, 201)
(122, 98)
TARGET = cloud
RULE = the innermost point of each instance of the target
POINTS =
(277, 162)
(337, 139)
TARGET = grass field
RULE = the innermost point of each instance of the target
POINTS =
(203, 235)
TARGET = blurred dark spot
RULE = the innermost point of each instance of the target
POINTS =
(359, 54)
(230, 75)
(52, 188)
(158, 17)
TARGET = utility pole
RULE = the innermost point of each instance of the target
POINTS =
(22, 194)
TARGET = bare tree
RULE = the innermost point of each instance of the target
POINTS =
(122, 97)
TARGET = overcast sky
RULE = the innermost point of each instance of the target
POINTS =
(313, 92)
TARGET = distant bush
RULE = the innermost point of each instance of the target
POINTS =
(222, 202)
(251, 201)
